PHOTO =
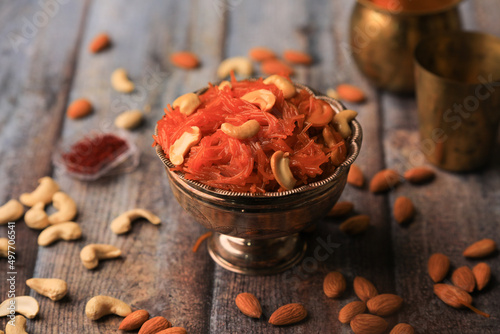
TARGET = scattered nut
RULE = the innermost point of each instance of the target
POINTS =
(283, 84)
(187, 103)
(19, 326)
(368, 323)
(384, 180)
(184, 59)
(276, 66)
(288, 314)
(280, 165)
(297, 57)
(438, 267)
(341, 209)
(240, 65)
(246, 130)
(384, 304)
(36, 217)
(249, 305)
(182, 145)
(99, 43)
(419, 175)
(261, 53)
(402, 328)
(99, 306)
(341, 122)
(350, 93)
(11, 211)
(364, 289)
(25, 305)
(155, 325)
(62, 231)
(129, 120)
(464, 279)
(121, 82)
(355, 176)
(92, 253)
(482, 274)
(43, 193)
(123, 222)
(66, 207)
(79, 108)
(403, 210)
(355, 225)
(481, 248)
(4, 247)
(173, 330)
(334, 284)
(53, 288)
(264, 98)
(134, 320)
(351, 310)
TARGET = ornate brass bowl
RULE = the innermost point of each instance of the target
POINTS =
(259, 233)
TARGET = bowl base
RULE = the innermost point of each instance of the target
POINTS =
(256, 256)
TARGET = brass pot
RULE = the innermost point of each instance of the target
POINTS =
(383, 38)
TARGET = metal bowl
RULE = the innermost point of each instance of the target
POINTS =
(258, 233)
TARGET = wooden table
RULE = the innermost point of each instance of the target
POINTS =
(45, 64)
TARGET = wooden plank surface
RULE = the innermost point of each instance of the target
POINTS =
(157, 270)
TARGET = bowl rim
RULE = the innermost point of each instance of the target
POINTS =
(409, 13)
(354, 146)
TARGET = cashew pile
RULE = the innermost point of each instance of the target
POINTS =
(264, 98)
(91, 254)
(187, 103)
(244, 131)
(182, 145)
(36, 217)
(19, 326)
(64, 231)
(123, 223)
(43, 193)
(100, 306)
(11, 211)
(120, 82)
(66, 206)
(53, 288)
(283, 84)
(25, 305)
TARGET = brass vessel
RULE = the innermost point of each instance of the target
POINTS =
(384, 33)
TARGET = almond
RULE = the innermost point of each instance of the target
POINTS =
(482, 274)
(384, 181)
(384, 304)
(99, 43)
(154, 325)
(438, 266)
(355, 225)
(456, 297)
(341, 209)
(334, 284)
(79, 108)
(404, 211)
(249, 305)
(464, 279)
(261, 53)
(173, 330)
(350, 93)
(134, 320)
(419, 175)
(364, 289)
(288, 314)
(297, 57)
(350, 311)
(480, 248)
(275, 66)
(184, 59)
(402, 328)
(368, 324)
(355, 176)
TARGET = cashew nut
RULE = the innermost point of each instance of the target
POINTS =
(182, 145)
(129, 119)
(66, 206)
(63, 231)
(92, 253)
(99, 306)
(11, 211)
(264, 98)
(246, 130)
(225, 83)
(36, 217)
(123, 222)
(25, 305)
(187, 103)
(53, 288)
(330, 92)
(19, 326)
(43, 193)
(321, 114)
(121, 82)
(283, 84)
(280, 165)
(240, 65)
(341, 122)
(4, 247)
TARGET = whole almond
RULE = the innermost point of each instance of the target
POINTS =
(438, 267)
(355, 176)
(480, 248)
(350, 93)
(173, 330)
(99, 43)
(249, 305)
(288, 314)
(154, 325)
(79, 108)
(419, 175)
(261, 53)
(184, 59)
(350, 311)
(364, 289)
(355, 225)
(384, 180)
(404, 211)
(275, 66)
(341, 209)
(482, 274)
(402, 328)
(464, 279)
(297, 57)
(384, 304)
(368, 324)
(334, 284)
(134, 320)
(456, 297)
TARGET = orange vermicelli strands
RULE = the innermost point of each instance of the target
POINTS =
(243, 165)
